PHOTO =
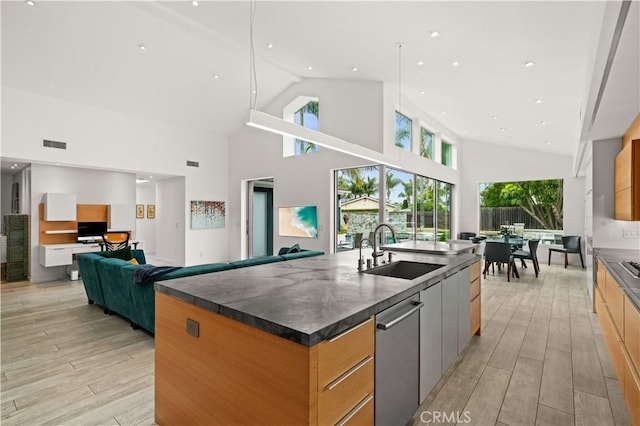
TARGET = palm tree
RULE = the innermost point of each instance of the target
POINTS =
(311, 108)
(391, 182)
(407, 193)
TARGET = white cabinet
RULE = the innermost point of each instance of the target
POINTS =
(55, 255)
(59, 207)
(449, 321)
(122, 217)
(463, 309)
(430, 339)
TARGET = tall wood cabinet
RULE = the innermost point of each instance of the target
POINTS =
(17, 229)
(626, 204)
(620, 322)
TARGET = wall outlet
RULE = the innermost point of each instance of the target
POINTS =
(631, 233)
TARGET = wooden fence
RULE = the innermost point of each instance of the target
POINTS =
(491, 218)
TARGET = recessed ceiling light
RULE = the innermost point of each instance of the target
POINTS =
(254, 91)
(495, 117)
(455, 63)
(434, 34)
(547, 143)
(538, 101)
(503, 128)
(420, 63)
(543, 123)
(269, 46)
(216, 76)
(15, 165)
(195, 3)
(444, 112)
(309, 67)
(421, 92)
(30, 2)
(529, 64)
(354, 69)
(150, 177)
(142, 47)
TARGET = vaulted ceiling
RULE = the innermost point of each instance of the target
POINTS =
(194, 70)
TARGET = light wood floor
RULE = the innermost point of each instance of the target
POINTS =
(540, 360)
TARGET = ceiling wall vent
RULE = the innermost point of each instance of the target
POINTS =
(54, 144)
(193, 163)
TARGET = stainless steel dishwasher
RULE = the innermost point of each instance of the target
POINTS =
(397, 363)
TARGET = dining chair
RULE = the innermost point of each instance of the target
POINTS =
(530, 254)
(499, 252)
(570, 244)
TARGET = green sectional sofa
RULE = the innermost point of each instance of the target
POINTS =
(109, 281)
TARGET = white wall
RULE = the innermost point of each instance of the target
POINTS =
(102, 139)
(5, 191)
(91, 187)
(355, 111)
(608, 232)
(171, 219)
(483, 163)
(145, 227)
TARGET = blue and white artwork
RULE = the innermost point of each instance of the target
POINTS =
(207, 214)
(298, 221)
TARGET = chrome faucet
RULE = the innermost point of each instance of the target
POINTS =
(360, 261)
(377, 253)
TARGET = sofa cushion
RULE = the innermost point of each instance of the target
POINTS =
(124, 254)
(256, 261)
(189, 271)
(301, 254)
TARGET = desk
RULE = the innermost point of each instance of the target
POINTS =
(62, 254)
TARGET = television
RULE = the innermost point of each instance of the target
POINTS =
(91, 231)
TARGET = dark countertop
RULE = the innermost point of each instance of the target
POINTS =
(307, 300)
(611, 259)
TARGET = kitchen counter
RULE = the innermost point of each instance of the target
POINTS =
(307, 300)
(431, 247)
(611, 259)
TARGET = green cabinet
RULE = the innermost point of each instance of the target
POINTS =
(17, 229)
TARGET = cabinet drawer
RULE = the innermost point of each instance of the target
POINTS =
(615, 303)
(474, 318)
(614, 344)
(56, 257)
(339, 354)
(344, 394)
(632, 332)
(474, 289)
(362, 414)
(632, 394)
(474, 271)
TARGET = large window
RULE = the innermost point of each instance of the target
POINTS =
(358, 205)
(399, 209)
(307, 116)
(426, 143)
(403, 131)
(530, 209)
(425, 197)
(447, 157)
(417, 207)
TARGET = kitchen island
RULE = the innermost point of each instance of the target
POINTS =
(283, 343)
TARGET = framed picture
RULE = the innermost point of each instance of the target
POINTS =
(151, 211)
(207, 214)
(298, 221)
(139, 211)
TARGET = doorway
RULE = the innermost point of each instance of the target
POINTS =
(260, 218)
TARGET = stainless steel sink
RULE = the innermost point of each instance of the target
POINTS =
(404, 269)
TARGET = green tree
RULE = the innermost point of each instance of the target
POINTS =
(391, 182)
(542, 199)
(312, 108)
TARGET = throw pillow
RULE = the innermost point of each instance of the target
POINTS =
(124, 254)
(294, 249)
(134, 261)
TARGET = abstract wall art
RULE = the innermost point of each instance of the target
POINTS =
(207, 214)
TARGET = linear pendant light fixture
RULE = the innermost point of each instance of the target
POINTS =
(272, 124)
